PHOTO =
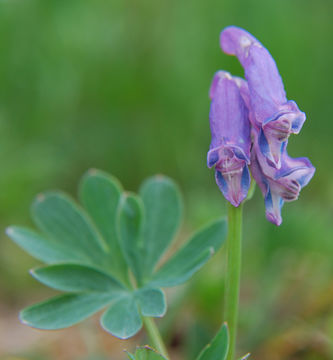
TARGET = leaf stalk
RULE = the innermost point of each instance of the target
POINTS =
(155, 336)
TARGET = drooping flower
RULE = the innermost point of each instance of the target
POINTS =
(230, 146)
(272, 118)
(270, 112)
(280, 185)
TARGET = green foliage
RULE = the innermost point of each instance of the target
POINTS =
(75, 277)
(130, 223)
(218, 348)
(192, 256)
(60, 219)
(123, 318)
(100, 194)
(145, 353)
(162, 201)
(89, 252)
(103, 85)
(64, 310)
(42, 248)
(151, 301)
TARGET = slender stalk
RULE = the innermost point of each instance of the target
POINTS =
(234, 245)
(155, 336)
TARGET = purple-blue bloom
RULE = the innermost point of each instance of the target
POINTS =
(230, 146)
(274, 116)
(256, 106)
(280, 185)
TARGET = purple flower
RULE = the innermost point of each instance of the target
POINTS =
(280, 185)
(257, 105)
(270, 112)
(230, 146)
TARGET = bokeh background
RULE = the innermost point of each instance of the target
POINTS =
(122, 85)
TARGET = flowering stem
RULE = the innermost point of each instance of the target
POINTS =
(233, 273)
(155, 336)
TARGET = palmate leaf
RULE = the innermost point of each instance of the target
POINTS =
(90, 250)
(94, 290)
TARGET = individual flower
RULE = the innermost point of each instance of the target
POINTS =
(280, 185)
(270, 112)
(230, 146)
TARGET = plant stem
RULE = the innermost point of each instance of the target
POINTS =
(234, 245)
(155, 336)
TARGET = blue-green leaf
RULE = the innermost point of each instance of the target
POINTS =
(42, 248)
(63, 311)
(151, 302)
(218, 348)
(163, 208)
(100, 194)
(176, 272)
(91, 252)
(130, 222)
(192, 256)
(122, 319)
(63, 221)
(78, 278)
(146, 353)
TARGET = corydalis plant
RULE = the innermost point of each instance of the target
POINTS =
(94, 252)
(258, 105)
(251, 121)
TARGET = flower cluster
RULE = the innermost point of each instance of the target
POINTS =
(251, 121)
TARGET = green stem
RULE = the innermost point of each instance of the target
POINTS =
(234, 245)
(155, 336)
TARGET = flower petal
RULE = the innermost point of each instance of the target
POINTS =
(273, 201)
(234, 186)
(288, 166)
(271, 150)
(273, 204)
(228, 115)
(299, 169)
(281, 185)
(261, 72)
(219, 75)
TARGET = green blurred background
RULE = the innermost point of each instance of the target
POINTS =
(122, 86)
